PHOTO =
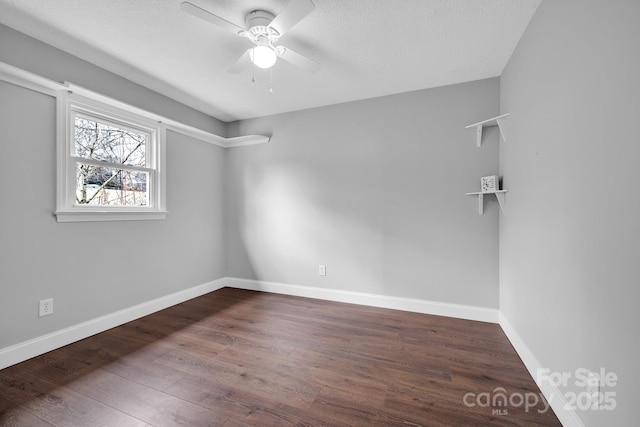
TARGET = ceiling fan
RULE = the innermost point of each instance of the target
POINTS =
(264, 29)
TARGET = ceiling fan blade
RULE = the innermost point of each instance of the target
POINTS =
(299, 61)
(241, 64)
(292, 13)
(199, 12)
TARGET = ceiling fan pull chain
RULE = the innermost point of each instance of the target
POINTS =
(253, 73)
(271, 80)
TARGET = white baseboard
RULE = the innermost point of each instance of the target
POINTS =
(568, 417)
(397, 303)
(36, 346)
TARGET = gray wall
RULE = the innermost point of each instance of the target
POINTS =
(570, 241)
(93, 269)
(375, 191)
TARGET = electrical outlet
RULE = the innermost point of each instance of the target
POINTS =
(46, 307)
(322, 270)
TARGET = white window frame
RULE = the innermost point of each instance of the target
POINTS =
(67, 210)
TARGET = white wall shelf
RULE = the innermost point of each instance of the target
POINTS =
(494, 121)
(499, 195)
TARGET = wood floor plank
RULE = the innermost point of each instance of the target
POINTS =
(144, 403)
(223, 398)
(237, 358)
(336, 412)
(60, 405)
(15, 415)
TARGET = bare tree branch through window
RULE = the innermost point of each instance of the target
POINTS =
(111, 179)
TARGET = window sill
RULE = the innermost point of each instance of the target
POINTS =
(102, 215)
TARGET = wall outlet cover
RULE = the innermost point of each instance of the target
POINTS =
(45, 307)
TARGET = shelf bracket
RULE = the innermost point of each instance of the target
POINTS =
(499, 195)
(501, 127)
(479, 136)
(494, 121)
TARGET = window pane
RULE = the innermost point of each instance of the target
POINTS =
(102, 186)
(106, 142)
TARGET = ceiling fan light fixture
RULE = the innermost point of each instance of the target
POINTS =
(263, 56)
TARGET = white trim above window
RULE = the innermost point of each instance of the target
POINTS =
(113, 171)
(231, 142)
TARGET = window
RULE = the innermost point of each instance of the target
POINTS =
(110, 163)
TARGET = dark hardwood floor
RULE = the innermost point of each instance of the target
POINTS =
(237, 358)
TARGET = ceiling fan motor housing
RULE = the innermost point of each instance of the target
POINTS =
(257, 21)
(258, 18)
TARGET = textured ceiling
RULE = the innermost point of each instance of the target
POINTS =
(367, 48)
